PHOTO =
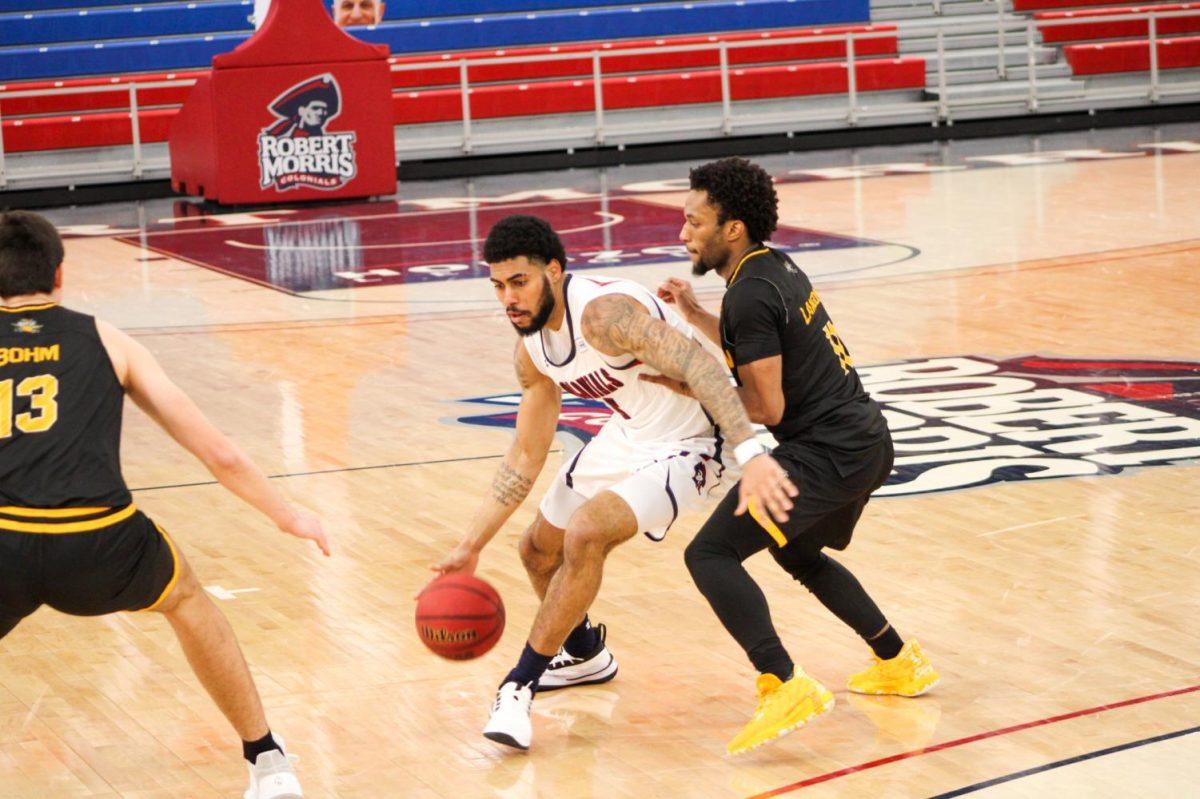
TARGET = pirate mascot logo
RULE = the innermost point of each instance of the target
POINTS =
(296, 150)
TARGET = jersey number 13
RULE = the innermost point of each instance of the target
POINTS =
(43, 407)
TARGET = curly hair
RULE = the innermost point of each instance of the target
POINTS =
(30, 253)
(519, 235)
(740, 190)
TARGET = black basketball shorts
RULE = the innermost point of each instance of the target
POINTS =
(829, 503)
(82, 561)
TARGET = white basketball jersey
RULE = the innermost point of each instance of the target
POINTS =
(646, 412)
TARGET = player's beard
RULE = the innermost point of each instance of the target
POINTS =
(709, 259)
(538, 320)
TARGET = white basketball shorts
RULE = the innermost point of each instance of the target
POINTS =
(659, 481)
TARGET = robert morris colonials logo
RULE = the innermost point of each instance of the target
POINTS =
(296, 150)
(970, 421)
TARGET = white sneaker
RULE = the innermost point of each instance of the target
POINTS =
(273, 777)
(510, 723)
(566, 670)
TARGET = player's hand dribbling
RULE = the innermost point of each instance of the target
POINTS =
(680, 294)
(765, 483)
(307, 526)
(462, 559)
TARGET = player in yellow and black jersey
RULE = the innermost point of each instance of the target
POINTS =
(70, 536)
(796, 376)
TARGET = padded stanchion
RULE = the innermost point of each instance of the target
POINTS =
(300, 111)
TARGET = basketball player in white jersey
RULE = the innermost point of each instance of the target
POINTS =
(657, 456)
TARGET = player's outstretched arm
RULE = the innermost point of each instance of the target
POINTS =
(148, 385)
(537, 421)
(617, 324)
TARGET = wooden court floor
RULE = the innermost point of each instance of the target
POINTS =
(1061, 612)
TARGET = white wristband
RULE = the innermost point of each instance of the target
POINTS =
(750, 448)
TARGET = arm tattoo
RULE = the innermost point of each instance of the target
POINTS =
(510, 487)
(616, 324)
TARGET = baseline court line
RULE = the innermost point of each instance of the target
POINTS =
(1016, 775)
(883, 761)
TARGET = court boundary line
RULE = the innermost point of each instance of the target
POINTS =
(339, 470)
(1069, 761)
(982, 736)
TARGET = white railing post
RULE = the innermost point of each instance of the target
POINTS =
(726, 109)
(937, 7)
(598, 89)
(465, 88)
(851, 80)
(1153, 58)
(137, 131)
(1032, 102)
(943, 106)
(1002, 66)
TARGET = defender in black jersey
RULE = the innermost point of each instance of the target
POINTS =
(796, 376)
(70, 535)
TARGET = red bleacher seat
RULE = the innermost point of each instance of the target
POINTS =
(1100, 59)
(1035, 5)
(1092, 24)
(448, 75)
(97, 119)
(444, 105)
(505, 100)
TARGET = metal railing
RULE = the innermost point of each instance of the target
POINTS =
(137, 168)
(600, 129)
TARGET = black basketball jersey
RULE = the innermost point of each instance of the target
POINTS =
(770, 308)
(60, 412)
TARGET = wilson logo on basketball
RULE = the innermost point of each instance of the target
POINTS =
(296, 150)
(443, 635)
(969, 421)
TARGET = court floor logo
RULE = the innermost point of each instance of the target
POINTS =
(959, 422)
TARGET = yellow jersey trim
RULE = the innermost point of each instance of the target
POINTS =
(49, 513)
(767, 523)
(174, 571)
(27, 308)
(59, 528)
(745, 258)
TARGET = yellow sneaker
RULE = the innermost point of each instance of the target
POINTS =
(782, 707)
(908, 674)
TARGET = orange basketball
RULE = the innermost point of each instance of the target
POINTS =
(459, 616)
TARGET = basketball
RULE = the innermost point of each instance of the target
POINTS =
(459, 617)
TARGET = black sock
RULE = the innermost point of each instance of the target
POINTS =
(887, 644)
(529, 668)
(252, 749)
(583, 639)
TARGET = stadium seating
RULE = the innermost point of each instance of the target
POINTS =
(431, 94)
(1099, 59)
(436, 75)
(1039, 5)
(1097, 45)
(98, 55)
(1092, 23)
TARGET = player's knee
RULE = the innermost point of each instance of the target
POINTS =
(537, 554)
(586, 539)
(696, 555)
(186, 588)
(807, 570)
